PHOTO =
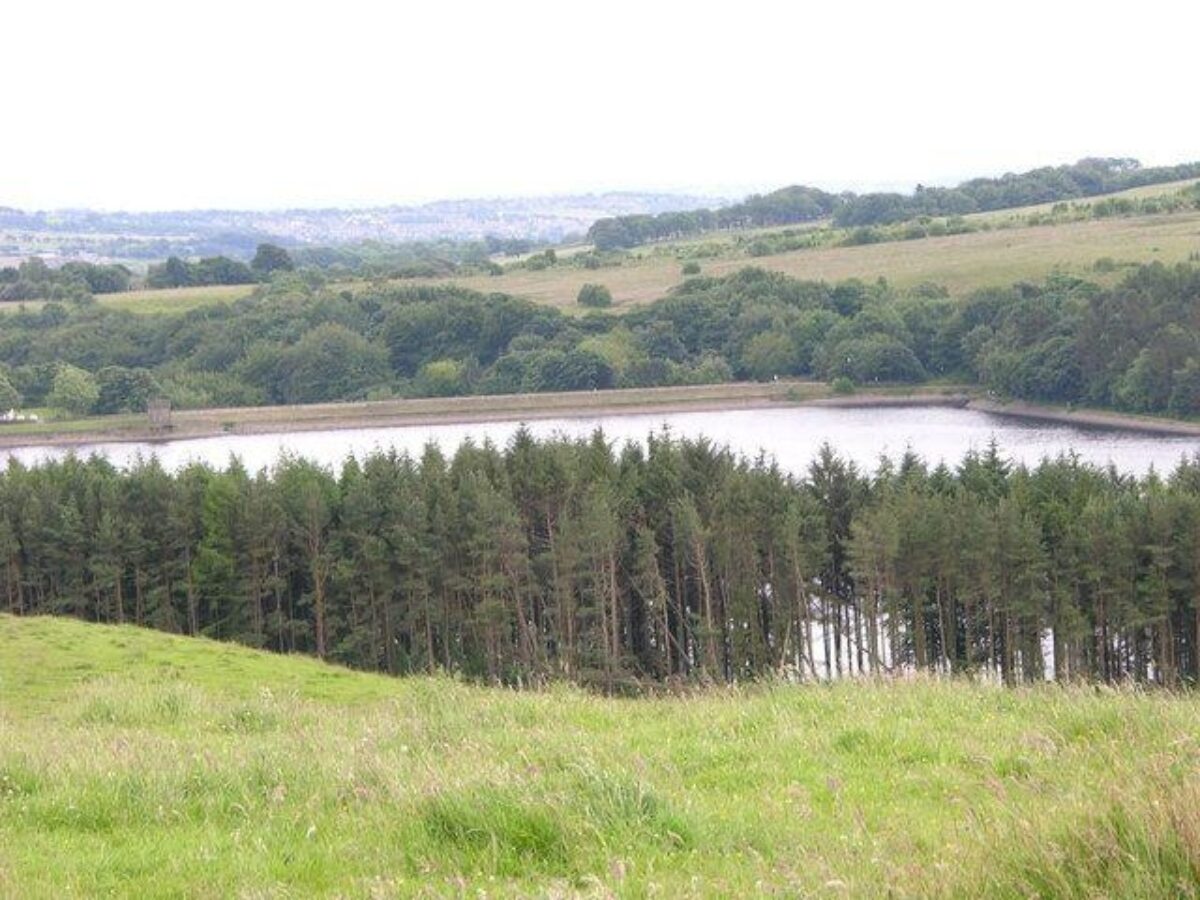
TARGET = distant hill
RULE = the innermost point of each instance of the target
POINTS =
(92, 234)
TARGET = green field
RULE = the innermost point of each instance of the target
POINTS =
(138, 764)
(177, 299)
(961, 263)
(160, 300)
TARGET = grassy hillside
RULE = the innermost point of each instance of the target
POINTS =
(165, 300)
(159, 300)
(960, 262)
(140, 764)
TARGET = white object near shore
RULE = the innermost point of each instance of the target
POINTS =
(13, 416)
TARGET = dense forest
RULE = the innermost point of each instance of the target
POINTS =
(1050, 184)
(1135, 346)
(612, 567)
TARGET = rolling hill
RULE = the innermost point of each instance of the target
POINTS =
(1015, 250)
(135, 763)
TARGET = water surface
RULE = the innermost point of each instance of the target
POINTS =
(792, 435)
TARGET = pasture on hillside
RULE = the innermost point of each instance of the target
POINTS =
(961, 263)
(135, 763)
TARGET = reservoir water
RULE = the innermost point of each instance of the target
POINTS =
(792, 435)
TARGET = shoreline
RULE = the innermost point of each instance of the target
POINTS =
(220, 422)
(1086, 418)
(215, 423)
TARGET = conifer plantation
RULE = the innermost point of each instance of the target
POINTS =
(620, 568)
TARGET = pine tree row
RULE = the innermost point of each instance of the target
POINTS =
(617, 567)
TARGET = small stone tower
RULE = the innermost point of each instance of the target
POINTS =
(159, 410)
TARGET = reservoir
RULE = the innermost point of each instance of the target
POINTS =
(792, 435)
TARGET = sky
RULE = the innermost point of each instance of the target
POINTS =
(176, 104)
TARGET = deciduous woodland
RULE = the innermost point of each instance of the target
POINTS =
(1134, 346)
(617, 567)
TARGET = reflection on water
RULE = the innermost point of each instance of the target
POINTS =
(792, 435)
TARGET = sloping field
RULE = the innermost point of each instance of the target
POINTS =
(961, 262)
(160, 300)
(134, 763)
(177, 299)
(965, 262)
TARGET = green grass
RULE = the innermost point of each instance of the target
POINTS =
(167, 300)
(154, 301)
(138, 764)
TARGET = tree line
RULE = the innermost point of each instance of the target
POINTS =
(785, 206)
(927, 226)
(1134, 346)
(72, 282)
(1086, 178)
(366, 259)
(177, 272)
(1050, 184)
(627, 566)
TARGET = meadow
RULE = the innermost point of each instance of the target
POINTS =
(134, 763)
(1014, 250)
(961, 263)
(154, 301)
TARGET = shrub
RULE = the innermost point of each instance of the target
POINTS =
(442, 378)
(861, 236)
(595, 296)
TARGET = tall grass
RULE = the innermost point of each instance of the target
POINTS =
(138, 764)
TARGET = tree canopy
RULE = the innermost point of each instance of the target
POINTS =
(1133, 346)
(270, 258)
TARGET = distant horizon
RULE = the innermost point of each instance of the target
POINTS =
(728, 192)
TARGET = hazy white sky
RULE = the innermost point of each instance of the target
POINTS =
(161, 105)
